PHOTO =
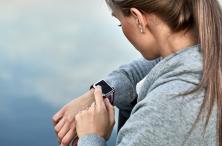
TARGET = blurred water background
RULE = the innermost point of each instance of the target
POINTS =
(50, 52)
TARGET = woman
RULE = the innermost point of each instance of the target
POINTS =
(180, 95)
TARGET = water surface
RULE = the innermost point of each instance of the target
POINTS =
(50, 52)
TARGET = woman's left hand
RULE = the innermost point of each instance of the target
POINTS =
(98, 119)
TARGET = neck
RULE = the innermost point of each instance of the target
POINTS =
(173, 42)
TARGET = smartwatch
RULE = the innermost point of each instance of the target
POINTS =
(107, 90)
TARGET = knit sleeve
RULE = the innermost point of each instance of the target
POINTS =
(125, 79)
(91, 140)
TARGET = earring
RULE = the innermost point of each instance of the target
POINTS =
(141, 29)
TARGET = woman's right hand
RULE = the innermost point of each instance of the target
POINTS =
(64, 119)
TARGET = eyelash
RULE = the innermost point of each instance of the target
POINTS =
(120, 25)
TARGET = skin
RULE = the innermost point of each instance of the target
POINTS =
(153, 38)
(100, 115)
(67, 115)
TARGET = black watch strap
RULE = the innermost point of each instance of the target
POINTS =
(110, 95)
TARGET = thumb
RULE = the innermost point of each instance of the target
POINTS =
(111, 110)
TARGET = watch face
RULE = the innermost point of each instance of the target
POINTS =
(105, 87)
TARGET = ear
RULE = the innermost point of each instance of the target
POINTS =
(140, 19)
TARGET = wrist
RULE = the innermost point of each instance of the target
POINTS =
(107, 90)
(87, 99)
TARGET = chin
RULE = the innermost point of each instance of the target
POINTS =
(150, 56)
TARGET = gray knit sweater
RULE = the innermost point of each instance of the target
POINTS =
(161, 116)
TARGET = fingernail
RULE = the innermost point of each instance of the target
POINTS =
(99, 87)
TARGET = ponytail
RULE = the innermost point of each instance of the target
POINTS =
(208, 19)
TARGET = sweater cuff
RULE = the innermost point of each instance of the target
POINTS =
(91, 140)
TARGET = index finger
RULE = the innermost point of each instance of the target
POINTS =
(99, 97)
(57, 117)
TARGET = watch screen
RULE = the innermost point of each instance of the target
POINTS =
(105, 87)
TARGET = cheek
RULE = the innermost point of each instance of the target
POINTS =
(129, 32)
(133, 35)
(146, 45)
